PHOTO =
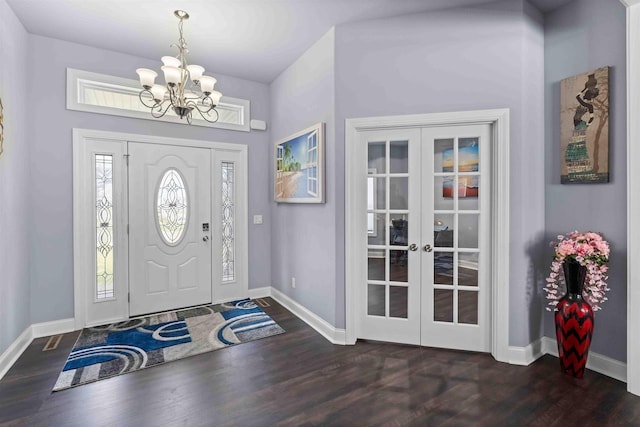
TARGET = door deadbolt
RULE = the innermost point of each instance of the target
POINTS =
(205, 239)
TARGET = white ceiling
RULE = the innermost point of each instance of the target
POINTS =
(251, 39)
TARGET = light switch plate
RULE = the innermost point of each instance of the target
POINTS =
(257, 219)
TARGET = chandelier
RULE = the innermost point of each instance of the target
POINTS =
(178, 74)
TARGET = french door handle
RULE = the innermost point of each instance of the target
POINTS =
(413, 247)
(427, 248)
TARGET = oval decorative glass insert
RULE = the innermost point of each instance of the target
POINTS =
(172, 207)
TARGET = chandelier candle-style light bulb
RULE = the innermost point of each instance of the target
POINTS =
(187, 87)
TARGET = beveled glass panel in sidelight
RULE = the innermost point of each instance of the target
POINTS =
(172, 207)
(376, 300)
(104, 227)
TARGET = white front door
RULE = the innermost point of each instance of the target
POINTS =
(428, 236)
(169, 227)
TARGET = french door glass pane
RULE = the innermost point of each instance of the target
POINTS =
(398, 301)
(399, 266)
(443, 228)
(399, 157)
(376, 300)
(468, 307)
(377, 264)
(442, 193)
(443, 305)
(443, 155)
(468, 155)
(468, 231)
(377, 153)
(443, 268)
(468, 192)
(399, 193)
(468, 269)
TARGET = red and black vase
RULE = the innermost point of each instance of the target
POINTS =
(574, 321)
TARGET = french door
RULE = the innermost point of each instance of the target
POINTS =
(428, 237)
(169, 227)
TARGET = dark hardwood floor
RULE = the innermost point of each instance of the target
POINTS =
(298, 378)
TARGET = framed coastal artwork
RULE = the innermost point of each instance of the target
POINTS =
(299, 167)
(584, 128)
(468, 160)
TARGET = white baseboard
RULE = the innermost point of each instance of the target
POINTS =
(525, 356)
(37, 330)
(11, 354)
(546, 345)
(55, 327)
(596, 362)
(260, 292)
(324, 328)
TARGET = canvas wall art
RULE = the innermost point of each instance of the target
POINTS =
(584, 128)
(299, 167)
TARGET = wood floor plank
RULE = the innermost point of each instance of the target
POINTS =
(300, 379)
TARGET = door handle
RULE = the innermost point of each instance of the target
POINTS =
(413, 247)
(427, 248)
(205, 239)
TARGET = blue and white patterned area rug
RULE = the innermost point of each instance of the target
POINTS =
(110, 350)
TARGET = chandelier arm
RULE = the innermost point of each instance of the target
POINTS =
(206, 113)
(143, 91)
(160, 113)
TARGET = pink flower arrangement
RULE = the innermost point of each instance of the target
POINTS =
(591, 251)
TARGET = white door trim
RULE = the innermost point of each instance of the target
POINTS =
(354, 245)
(84, 226)
(633, 196)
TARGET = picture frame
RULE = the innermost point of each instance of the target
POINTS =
(584, 128)
(299, 166)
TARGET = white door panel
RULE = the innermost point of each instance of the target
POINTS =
(427, 236)
(169, 202)
(391, 294)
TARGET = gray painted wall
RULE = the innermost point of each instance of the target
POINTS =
(582, 36)
(50, 183)
(462, 59)
(303, 235)
(15, 293)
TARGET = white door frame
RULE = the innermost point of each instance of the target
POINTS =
(84, 143)
(633, 194)
(355, 245)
